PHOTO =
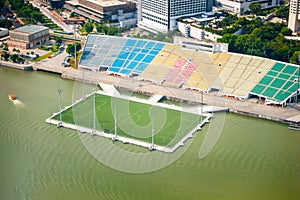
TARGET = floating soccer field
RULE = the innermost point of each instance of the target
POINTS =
(133, 119)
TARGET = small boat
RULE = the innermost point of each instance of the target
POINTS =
(12, 97)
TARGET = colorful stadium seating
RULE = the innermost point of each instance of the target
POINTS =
(232, 74)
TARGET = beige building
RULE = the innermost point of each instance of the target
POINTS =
(294, 17)
(122, 11)
(28, 37)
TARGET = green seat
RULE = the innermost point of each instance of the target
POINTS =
(258, 89)
(266, 80)
(278, 67)
(289, 69)
(278, 83)
(270, 92)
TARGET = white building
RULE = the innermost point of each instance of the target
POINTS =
(241, 6)
(294, 16)
(193, 30)
(161, 15)
(191, 43)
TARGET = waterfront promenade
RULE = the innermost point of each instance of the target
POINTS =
(255, 108)
(250, 107)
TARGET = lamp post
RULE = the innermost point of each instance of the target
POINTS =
(94, 111)
(152, 142)
(115, 118)
(201, 107)
(59, 103)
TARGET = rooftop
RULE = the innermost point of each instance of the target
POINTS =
(30, 28)
(106, 3)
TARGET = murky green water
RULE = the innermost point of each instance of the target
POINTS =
(253, 159)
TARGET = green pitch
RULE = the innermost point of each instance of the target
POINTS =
(134, 120)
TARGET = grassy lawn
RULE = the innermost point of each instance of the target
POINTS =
(43, 56)
(134, 119)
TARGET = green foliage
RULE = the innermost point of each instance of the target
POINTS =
(71, 49)
(88, 27)
(5, 48)
(16, 4)
(113, 31)
(286, 31)
(14, 57)
(1, 4)
(27, 11)
(283, 12)
(5, 23)
(255, 8)
(295, 58)
(57, 39)
(101, 28)
(43, 57)
(5, 56)
(266, 40)
(73, 14)
(227, 21)
(168, 37)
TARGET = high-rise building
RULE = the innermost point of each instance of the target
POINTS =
(161, 15)
(294, 16)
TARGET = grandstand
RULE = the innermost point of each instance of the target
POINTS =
(232, 75)
(127, 57)
(279, 84)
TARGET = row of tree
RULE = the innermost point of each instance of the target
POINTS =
(102, 28)
(266, 41)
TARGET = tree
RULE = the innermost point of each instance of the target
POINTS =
(57, 39)
(255, 8)
(230, 39)
(5, 23)
(14, 57)
(5, 48)
(5, 56)
(1, 4)
(294, 58)
(113, 31)
(70, 48)
(283, 12)
(286, 31)
(102, 28)
(88, 27)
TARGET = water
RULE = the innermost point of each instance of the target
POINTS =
(253, 159)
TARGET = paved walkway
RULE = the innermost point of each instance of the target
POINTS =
(156, 98)
(109, 89)
(247, 106)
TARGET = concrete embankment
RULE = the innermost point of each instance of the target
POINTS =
(16, 66)
(286, 115)
(280, 114)
(262, 116)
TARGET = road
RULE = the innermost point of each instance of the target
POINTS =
(46, 12)
(53, 64)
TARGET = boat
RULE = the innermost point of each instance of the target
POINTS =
(12, 97)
